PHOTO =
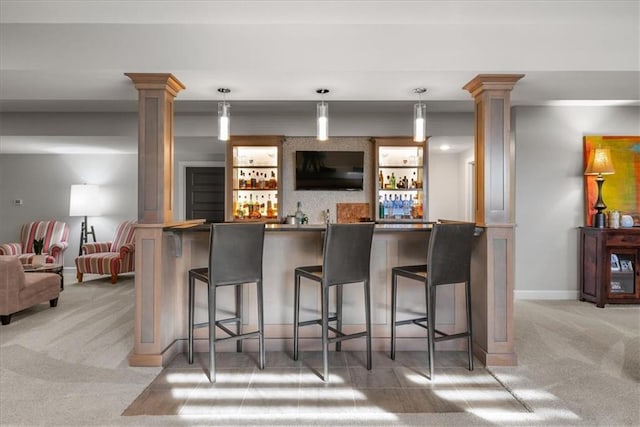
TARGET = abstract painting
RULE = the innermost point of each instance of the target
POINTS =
(620, 191)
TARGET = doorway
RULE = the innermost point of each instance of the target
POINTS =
(205, 193)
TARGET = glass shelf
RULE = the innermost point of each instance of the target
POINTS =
(253, 191)
(399, 173)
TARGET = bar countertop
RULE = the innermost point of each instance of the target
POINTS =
(270, 227)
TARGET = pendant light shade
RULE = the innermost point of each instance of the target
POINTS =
(224, 112)
(322, 116)
(419, 118)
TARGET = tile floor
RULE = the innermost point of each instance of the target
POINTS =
(295, 387)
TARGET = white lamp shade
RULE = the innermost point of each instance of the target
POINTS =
(224, 112)
(323, 121)
(419, 123)
(84, 200)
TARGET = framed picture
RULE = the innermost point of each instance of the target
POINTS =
(620, 191)
(615, 263)
(626, 265)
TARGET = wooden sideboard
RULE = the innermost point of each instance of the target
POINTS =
(609, 261)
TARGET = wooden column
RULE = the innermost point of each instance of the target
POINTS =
(154, 279)
(494, 252)
(156, 92)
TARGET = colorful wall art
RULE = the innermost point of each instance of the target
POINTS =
(620, 191)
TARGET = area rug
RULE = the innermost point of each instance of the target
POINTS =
(289, 388)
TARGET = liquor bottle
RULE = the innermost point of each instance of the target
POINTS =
(387, 207)
(397, 208)
(245, 207)
(381, 208)
(392, 183)
(263, 206)
(261, 181)
(275, 208)
(381, 180)
(269, 207)
(256, 208)
(253, 180)
(241, 181)
(273, 180)
(406, 209)
(250, 204)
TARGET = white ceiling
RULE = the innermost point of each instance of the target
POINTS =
(72, 55)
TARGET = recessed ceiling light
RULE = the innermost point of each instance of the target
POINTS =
(445, 147)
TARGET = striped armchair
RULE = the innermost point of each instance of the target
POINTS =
(54, 233)
(112, 258)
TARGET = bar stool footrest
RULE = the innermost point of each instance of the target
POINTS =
(343, 337)
(236, 337)
(447, 337)
(317, 321)
(414, 322)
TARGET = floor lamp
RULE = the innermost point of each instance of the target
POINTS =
(599, 164)
(84, 202)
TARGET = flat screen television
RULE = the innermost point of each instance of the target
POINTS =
(329, 170)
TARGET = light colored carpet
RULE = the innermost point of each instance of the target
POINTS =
(578, 365)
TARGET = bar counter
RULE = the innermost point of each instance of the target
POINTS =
(170, 250)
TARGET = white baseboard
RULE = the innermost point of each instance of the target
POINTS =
(546, 294)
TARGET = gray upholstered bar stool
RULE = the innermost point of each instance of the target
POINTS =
(346, 260)
(235, 259)
(448, 262)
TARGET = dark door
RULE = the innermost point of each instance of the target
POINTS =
(205, 194)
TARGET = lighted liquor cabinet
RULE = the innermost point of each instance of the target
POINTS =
(401, 180)
(254, 176)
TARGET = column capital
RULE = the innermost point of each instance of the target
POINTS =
(483, 82)
(156, 81)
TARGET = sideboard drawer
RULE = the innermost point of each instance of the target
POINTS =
(615, 239)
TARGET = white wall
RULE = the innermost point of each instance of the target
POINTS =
(43, 182)
(446, 186)
(550, 191)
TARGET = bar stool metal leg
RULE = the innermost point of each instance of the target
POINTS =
(470, 337)
(212, 334)
(296, 314)
(260, 323)
(367, 308)
(325, 332)
(190, 322)
(431, 324)
(339, 314)
(239, 316)
(394, 291)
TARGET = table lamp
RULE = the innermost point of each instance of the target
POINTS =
(599, 164)
(84, 202)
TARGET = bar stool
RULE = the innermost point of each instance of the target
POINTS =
(448, 262)
(346, 260)
(235, 259)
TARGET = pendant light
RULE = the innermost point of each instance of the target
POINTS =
(419, 117)
(224, 111)
(322, 116)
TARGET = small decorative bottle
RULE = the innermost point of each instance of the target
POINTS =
(299, 214)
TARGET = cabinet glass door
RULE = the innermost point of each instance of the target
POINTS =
(255, 182)
(623, 273)
(400, 183)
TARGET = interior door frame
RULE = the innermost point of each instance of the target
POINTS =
(181, 197)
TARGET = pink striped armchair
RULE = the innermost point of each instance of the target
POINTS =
(54, 233)
(112, 258)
